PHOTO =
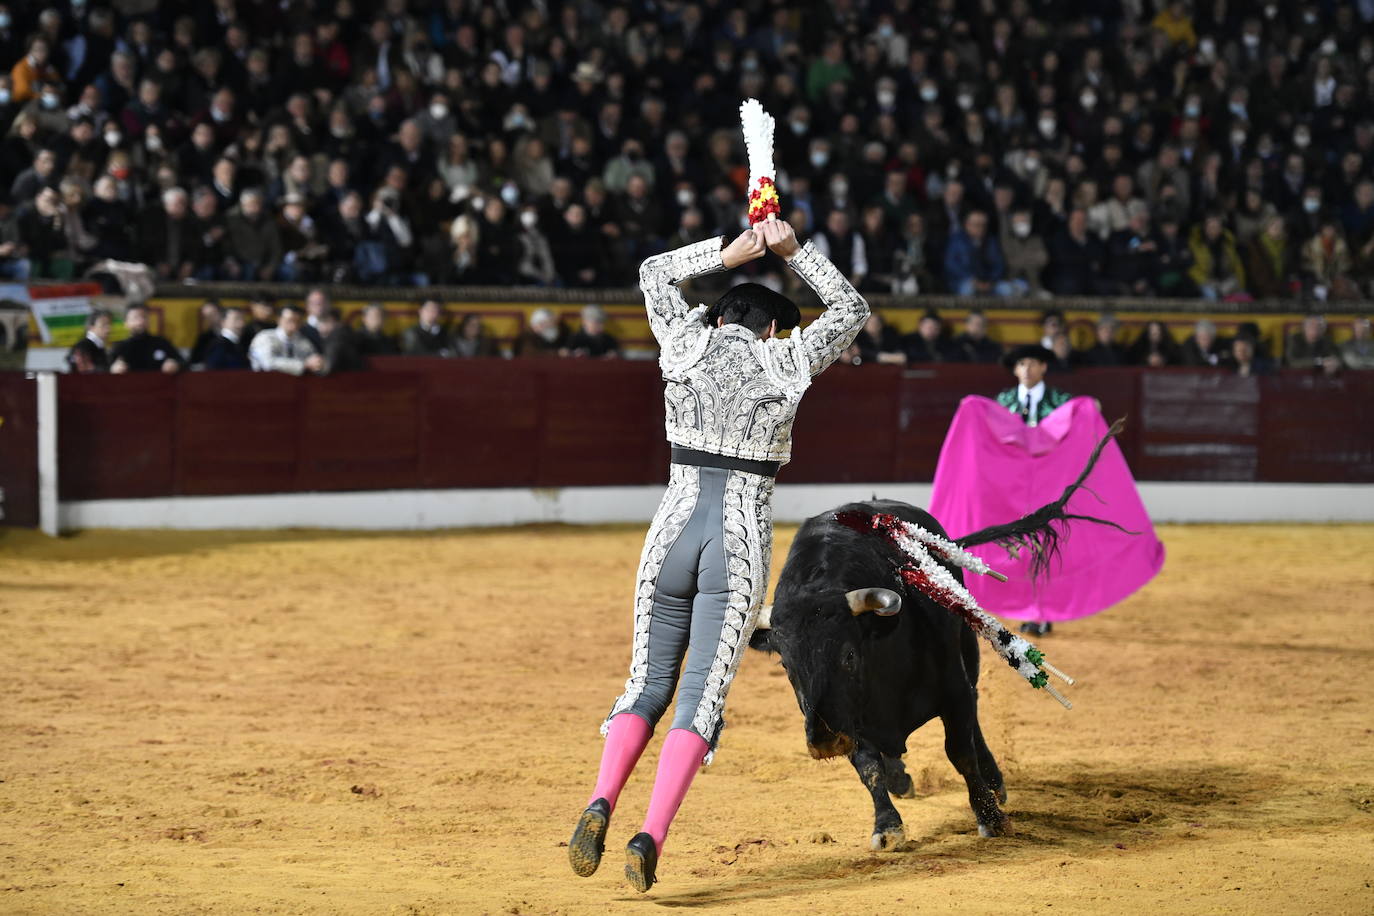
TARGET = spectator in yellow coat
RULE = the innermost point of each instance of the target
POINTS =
(1217, 268)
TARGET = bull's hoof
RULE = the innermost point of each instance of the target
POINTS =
(889, 840)
(999, 827)
(901, 785)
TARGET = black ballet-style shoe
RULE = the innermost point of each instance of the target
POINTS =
(641, 862)
(589, 838)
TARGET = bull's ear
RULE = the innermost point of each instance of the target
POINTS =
(882, 601)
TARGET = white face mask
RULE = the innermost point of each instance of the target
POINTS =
(1020, 230)
(1192, 110)
(1031, 164)
(153, 142)
(529, 219)
(685, 197)
(438, 112)
(819, 158)
(839, 188)
(113, 137)
(1302, 139)
(798, 127)
(964, 101)
(929, 93)
(1206, 48)
(4, 20)
(1311, 204)
(50, 100)
(4, 96)
(1237, 138)
(1047, 126)
(1251, 40)
(886, 98)
(510, 194)
(1088, 100)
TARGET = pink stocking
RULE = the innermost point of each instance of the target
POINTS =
(683, 752)
(625, 741)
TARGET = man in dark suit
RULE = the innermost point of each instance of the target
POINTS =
(91, 353)
(142, 351)
(929, 344)
(428, 337)
(227, 350)
(373, 340)
(1105, 351)
(340, 349)
(1031, 399)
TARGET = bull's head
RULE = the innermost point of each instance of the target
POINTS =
(820, 639)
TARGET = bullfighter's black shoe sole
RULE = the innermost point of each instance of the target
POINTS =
(589, 838)
(641, 862)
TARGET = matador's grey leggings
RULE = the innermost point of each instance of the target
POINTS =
(702, 579)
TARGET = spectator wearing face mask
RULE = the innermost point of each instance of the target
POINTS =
(536, 265)
(1025, 252)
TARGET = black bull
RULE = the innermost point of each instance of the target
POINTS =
(865, 677)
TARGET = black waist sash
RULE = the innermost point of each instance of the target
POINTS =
(711, 460)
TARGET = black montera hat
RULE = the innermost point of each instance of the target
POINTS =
(780, 308)
(1027, 351)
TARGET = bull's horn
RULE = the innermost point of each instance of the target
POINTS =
(882, 601)
(765, 618)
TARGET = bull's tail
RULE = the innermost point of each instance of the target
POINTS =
(1036, 532)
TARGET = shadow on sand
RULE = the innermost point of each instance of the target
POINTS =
(1093, 813)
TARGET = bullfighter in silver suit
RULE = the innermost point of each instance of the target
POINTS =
(732, 390)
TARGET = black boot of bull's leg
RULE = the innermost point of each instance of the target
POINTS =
(897, 778)
(987, 765)
(962, 752)
(888, 833)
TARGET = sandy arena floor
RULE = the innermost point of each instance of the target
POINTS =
(301, 722)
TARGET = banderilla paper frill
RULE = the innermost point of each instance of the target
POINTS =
(757, 125)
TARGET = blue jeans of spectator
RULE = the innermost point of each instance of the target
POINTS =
(1003, 288)
(15, 269)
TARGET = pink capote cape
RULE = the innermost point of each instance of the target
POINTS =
(994, 469)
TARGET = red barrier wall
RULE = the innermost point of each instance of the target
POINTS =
(550, 423)
(19, 449)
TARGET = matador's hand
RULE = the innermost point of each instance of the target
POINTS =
(780, 238)
(744, 249)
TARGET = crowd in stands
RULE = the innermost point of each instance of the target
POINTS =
(313, 338)
(1010, 148)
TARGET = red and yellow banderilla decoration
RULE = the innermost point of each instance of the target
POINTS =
(757, 125)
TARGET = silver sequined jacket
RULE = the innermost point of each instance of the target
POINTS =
(728, 392)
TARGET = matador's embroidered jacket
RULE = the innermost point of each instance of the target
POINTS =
(728, 392)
